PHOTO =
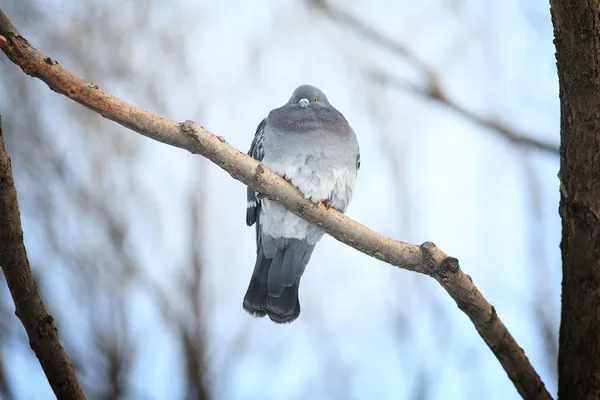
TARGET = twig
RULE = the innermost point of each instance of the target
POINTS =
(518, 139)
(39, 325)
(432, 89)
(426, 258)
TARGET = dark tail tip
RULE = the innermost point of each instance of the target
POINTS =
(255, 298)
(282, 309)
(252, 305)
(273, 288)
(285, 308)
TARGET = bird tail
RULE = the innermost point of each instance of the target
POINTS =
(273, 288)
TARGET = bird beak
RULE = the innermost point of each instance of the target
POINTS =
(303, 103)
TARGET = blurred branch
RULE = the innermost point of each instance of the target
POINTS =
(348, 20)
(43, 335)
(426, 258)
(190, 329)
(436, 94)
(432, 89)
(193, 338)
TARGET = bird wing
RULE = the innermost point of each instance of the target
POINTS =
(257, 152)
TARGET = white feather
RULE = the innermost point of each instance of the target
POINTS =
(335, 184)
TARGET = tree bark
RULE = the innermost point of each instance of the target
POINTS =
(577, 41)
(43, 335)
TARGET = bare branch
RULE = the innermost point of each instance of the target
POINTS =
(432, 89)
(43, 335)
(426, 258)
(436, 94)
(346, 19)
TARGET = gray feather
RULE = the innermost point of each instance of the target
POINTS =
(310, 143)
(288, 265)
(257, 152)
(274, 284)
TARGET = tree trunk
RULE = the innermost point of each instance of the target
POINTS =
(577, 40)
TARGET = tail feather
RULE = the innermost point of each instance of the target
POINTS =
(273, 288)
(286, 307)
(255, 299)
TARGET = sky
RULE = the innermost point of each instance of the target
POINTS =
(367, 330)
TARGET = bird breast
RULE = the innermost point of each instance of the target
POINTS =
(320, 170)
(294, 119)
(318, 177)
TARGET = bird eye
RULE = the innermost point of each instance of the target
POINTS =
(316, 99)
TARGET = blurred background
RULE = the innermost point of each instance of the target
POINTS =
(141, 250)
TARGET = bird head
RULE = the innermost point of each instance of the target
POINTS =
(307, 95)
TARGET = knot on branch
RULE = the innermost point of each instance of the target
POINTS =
(259, 170)
(436, 263)
(258, 176)
(189, 128)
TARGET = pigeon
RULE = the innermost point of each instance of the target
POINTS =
(309, 143)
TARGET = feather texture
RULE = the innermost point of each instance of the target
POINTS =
(315, 149)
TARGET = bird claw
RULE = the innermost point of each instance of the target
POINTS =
(326, 203)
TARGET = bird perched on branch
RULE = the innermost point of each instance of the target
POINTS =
(310, 144)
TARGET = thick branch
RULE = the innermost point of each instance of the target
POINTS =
(426, 259)
(577, 40)
(432, 90)
(43, 335)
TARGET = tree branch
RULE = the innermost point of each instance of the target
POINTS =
(437, 94)
(432, 89)
(39, 325)
(426, 258)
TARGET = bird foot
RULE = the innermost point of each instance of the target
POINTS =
(326, 203)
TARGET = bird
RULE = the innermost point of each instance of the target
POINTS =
(309, 143)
